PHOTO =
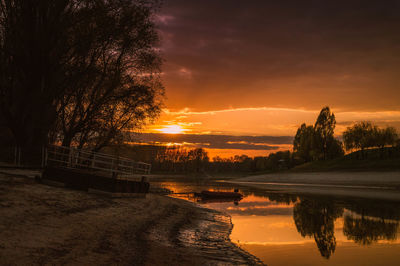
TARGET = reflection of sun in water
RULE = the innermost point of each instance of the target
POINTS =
(172, 129)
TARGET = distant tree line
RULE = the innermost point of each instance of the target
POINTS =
(274, 161)
(176, 159)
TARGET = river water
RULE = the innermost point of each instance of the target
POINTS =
(293, 229)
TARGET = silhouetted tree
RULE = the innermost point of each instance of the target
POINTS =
(178, 159)
(385, 137)
(359, 136)
(324, 128)
(82, 70)
(363, 135)
(304, 143)
(280, 160)
(318, 142)
(35, 59)
(335, 148)
(260, 163)
(121, 87)
(198, 158)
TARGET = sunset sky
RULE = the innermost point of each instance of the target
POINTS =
(261, 68)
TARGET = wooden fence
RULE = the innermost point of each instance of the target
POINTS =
(82, 159)
(73, 158)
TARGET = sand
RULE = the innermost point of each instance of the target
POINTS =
(41, 224)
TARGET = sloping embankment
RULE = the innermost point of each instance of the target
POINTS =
(379, 185)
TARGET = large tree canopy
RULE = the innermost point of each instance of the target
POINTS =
(363, 135)
(304, 142)
(324, 128)
(318, 141)
(79, 72)
(35, 52)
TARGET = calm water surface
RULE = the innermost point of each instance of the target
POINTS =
(290, 229)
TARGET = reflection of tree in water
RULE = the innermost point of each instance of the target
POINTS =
(282, 198)
(365, 231)
(316, 219)
(373, 208)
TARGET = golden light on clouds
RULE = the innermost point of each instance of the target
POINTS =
(218, 82)
(254, 131)
(263, 120)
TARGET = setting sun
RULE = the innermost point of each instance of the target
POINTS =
(172, 129)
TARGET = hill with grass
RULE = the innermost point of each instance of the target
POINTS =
(386, 159)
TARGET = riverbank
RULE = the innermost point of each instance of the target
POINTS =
(40, 224)
(350, 163)
(379, 185)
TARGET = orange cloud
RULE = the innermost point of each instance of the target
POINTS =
(266, 120)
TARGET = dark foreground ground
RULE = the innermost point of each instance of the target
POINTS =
(41, 224)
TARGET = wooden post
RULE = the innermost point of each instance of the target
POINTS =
(46, 156)
(94, 159)
(112, 168)
(70, 158)
(19, 156)
(42, 156)
(15, 155)
(114, 175)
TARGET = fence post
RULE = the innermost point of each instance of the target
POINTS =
(15, 155)
(112, 168)
(76, 157)
(70, 158)
(19, 156)
(42, 156)
(94, 159)
(46, 156)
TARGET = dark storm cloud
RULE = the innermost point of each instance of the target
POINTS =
(219, 141)
(255, 53)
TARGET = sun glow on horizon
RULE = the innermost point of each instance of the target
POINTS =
(172, 129)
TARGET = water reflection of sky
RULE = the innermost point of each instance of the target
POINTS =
(307, 230)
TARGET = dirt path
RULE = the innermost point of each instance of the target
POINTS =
(47, 225)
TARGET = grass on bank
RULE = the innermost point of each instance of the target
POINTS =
(387, 159)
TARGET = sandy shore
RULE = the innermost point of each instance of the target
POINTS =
(41, 224)
(379, 185)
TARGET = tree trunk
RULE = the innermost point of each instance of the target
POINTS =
(67, 140)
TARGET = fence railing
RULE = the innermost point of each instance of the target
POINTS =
(81, 159)
(28, 157)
